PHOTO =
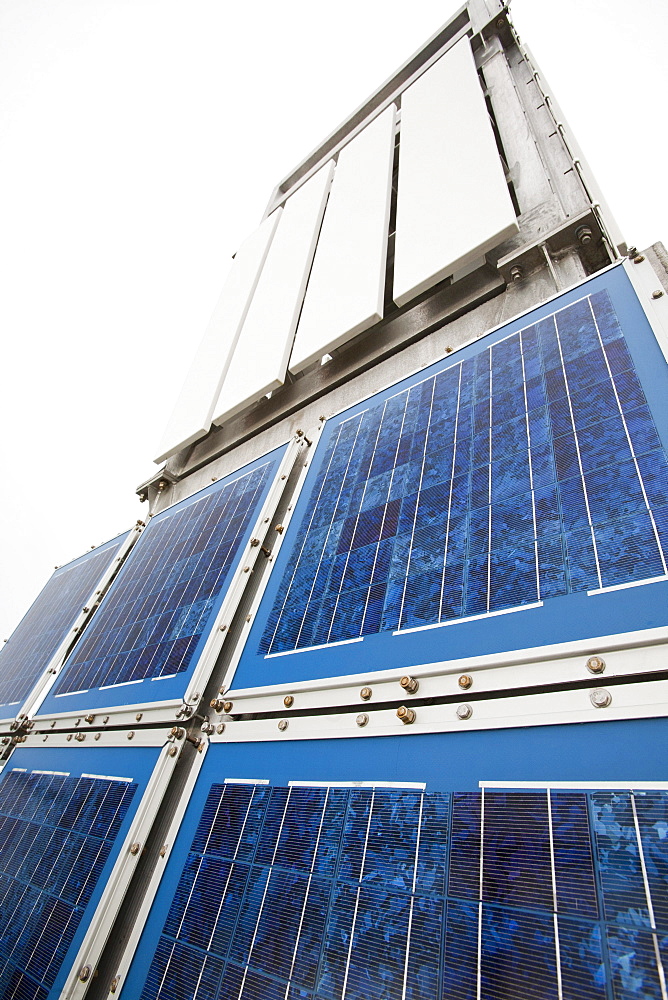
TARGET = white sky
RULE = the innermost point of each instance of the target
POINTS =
(140, 141)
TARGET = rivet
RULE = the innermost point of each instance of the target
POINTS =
(69, 737)
(362, 719)
(84, 974)
(464, 712)
(139, 716)
(173, 751)
(600, 698)
(97, 736)
(409, 684)
(220, 728)
(283, 725)
(657, 293)
(131, 735)
(288, 701)
(365, 693)
(407, 715)
(595, 665)
(227, 707)
(465, 681)
(135, 849)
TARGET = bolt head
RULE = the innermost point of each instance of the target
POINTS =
(657, 293)
(365, 693)
(288, 701)
(595, 665)
(283, 725)
(362, 719)
(227, 707)
(464, 712)
(131, 735)
(465, 681)
(600, 698)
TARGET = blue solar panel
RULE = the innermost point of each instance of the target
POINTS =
(157, 614)
(391, 893)
(57, 832)
(530, 470)
(41, 631)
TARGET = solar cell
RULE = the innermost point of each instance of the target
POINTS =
(331, 892)
(531, 469)
(157, 614)
(39, 634)
(57, 832)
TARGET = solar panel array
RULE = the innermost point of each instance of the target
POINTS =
(43, 628)
(527, 471)
(326, 893)
(162, 602)
(56, 833)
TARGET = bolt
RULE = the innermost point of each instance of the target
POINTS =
(105, 720)
(465, 681)
(657, 293)
(279, 528)
(584, 235)
(69, 737)
(595, 665)
(216, 704)
(600, 698)
(113, 986)
(407, 715)
(90, 719)
(362, 719)
(638, 259)
(220, 728)
(96, 737)
(173, 751)
(135, 849)
(365, 693)
(138, 716)
(516, 273)
(288, 701)
(131, 735)
(464, 712)
(163, 850)
(80, 737)
(283, 725)
(45, 738)
(177, 733)
(227, 707)
(77, 722)
(84, 974)
(409, 684)
(254, 542)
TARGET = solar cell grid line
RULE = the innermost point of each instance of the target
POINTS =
(56, 815)
(424, 456)
(303, 548)
(48, 621)
(306, 894)
(629, 439)
(157, 608)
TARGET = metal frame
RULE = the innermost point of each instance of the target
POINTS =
(481, 683)
(101, 923)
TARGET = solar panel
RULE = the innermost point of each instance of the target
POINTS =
(58, 831)
(526, 470)
(157, 614)
(330, 892)
(39, 634)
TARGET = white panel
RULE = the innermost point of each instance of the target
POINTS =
(191, 418)
(452, 200)
(347, 283)
(259, 362)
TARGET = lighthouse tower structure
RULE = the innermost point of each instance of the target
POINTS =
(372, 703)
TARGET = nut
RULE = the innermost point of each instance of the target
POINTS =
(595, 665)
(365, 693)
(409, 684)
(407, 715)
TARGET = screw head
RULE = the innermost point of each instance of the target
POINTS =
(362, 719)
(288, 701)
(600, 698)
(365, 693)
(464, 712)
(465, 681)
(595, 665)
(283, 725)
